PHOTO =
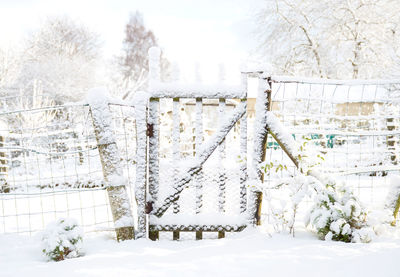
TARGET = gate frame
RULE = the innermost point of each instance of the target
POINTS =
(160, 90)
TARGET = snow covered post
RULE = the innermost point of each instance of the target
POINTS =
(153, 133)
(110, 161)
(199, 177)
(153, 126)
(143, 130)
(243, 151)
(263, 105)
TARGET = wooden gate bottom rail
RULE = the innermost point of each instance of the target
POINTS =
(194, 228)
(154, 230)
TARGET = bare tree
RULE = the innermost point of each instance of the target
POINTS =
(133, 63)
(10, 65)
(62, 55)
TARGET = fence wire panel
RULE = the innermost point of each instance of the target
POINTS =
(353, 126)
(50, 167)
(215, 193)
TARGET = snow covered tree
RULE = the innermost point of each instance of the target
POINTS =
(334, 39)
(133, 63)
(10, 64)
(62, 55)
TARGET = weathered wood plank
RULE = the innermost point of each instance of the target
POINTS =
(198, 143)
(221, 158)
(176, 119)
(154, 141)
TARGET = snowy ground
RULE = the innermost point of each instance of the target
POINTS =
(251, 252)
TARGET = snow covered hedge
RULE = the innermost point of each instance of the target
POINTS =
(62, 240)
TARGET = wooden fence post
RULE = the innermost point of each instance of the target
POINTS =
(110, 161)
(263, 105)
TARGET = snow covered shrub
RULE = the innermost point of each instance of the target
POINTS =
(62, 240)
(338, 215)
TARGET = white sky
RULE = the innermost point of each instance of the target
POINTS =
(209, 32)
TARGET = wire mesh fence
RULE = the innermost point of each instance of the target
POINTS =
(50, 167)
(352, 125)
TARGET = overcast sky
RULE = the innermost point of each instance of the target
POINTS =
(205, 31)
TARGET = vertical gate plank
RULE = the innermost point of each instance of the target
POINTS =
(221, 159)
(141, 167)
(243, 153)
(175, 151)
(198, 142)
(154, 141)
(154, 138)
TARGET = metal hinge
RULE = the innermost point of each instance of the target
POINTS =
(149, 131)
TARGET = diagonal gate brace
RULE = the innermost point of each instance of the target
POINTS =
(204, 153)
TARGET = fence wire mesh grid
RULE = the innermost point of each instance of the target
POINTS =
(51, 167)
(353, 126)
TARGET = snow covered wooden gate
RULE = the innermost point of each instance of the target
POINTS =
(203, 188)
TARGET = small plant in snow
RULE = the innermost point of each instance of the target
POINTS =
(62, 240)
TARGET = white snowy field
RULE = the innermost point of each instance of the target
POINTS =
(250, 253)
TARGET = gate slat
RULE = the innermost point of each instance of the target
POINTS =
(199, 177)
(198, 142)
(154, 140)
(176, 119)
(243, 151)
(175, 144)
(221, 158)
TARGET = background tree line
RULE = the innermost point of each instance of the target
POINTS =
(332, 39)
(66, 59)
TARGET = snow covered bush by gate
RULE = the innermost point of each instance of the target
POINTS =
(62, 240)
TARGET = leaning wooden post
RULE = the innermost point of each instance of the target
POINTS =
(110, 161)
(263, 105)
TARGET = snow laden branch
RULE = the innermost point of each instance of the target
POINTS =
(98, 100)
(204, 153)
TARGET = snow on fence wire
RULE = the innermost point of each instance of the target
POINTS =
(50, 167)
(353, 125)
